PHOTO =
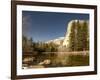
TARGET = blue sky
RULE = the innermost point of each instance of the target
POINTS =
(44, 26)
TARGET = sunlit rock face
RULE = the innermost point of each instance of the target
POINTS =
(68, 31)
(73, 38)
(57, 41)
(67, 34)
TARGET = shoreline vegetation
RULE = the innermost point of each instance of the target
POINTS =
(72, 51)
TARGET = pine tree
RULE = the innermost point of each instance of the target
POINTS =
(24, 43)
(86, 36)
(72, 37)
(79, 36)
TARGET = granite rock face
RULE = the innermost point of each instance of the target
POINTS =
(70, 27)
(79, 27)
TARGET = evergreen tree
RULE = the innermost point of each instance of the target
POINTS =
(24, 43)
(86, 36)
(79, 36)
(72, 37)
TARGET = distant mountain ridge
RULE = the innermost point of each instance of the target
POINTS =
(57, 41)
